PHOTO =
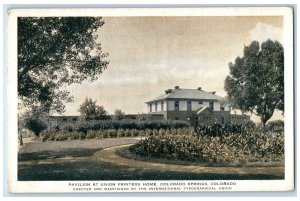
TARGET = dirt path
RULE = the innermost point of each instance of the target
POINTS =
(97, 160)
(109, 155)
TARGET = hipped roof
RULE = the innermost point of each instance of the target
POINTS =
(194, 94)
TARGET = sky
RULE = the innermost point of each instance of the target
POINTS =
(150, 54)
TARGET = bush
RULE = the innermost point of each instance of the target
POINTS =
(36, 125)
(52, 135)
(172, 147)
(62, 135)
(253, 147)
(125, 124)
(250, 125)
(229, 147)
(68, 128)
(275, 126)
(218, 129)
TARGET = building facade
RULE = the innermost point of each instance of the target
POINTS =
(62, 121)
(193, 104)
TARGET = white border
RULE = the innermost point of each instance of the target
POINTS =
(62, 186)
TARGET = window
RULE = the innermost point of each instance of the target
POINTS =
(74, 119)
(222, 109)
(189, 105)
(64, 119)
(162, 105)
(211, 105)
(150, 105)
(176, 105)
(200, 102)
(155, 107)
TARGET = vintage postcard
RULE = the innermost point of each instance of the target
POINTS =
(150, 100)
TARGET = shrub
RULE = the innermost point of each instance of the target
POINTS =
(172, 147)
(275, 126)
(125, 124)
(229, 147)
(109, 133)
(120, 133)
(36, 125)
(250, 125)
(68, 128)
(255, 146)
(91, 134)
(218, 129)
(62, 135)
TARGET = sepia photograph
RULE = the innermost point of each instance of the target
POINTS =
(151, 100)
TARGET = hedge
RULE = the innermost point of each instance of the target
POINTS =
(85, 126)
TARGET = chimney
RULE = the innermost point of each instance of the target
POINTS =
(199, 88)
(213, 92)
(168, 91)
(176, 87)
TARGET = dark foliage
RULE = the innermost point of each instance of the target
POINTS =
(52, 135)
(256, 80)
(218, 129)
(91, 111)
(56, 51)
(247, 147)
(62, 135)
(184, 147)
(36, 125)
(126, 124)
(275, 126)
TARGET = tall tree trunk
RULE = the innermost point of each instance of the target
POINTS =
(263, 120)
(21, 139)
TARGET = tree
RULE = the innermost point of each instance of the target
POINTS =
(119, 114)
(256, 80)
(34, 120)
(36, 125)
(55, 52)
(90, 110)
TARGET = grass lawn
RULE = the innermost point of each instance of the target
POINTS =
(75, 160)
